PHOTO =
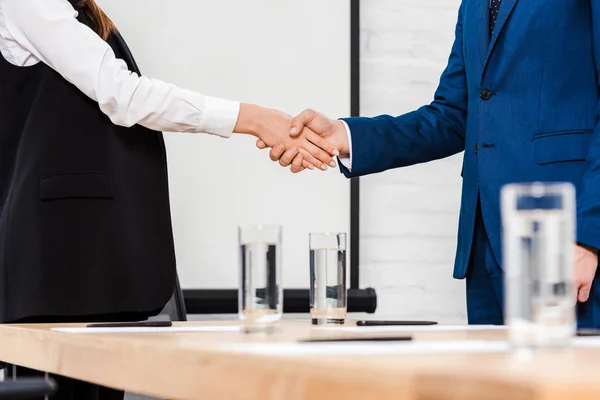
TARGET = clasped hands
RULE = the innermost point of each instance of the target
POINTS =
(308, 141)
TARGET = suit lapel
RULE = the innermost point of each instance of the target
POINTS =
(506, 10)
(483, 20)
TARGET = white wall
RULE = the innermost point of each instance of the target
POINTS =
(252, 51)
(409, 217)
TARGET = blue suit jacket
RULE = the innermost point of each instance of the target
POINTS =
(523, 105)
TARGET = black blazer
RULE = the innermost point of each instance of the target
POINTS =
(85, 225)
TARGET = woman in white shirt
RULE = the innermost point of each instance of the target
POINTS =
(47, 31)
(85, 228)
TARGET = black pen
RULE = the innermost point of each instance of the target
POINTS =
(140, 324)
(588, 332)
(358, 339)
(394, 323)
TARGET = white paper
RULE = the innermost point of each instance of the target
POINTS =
(368, 348)
(172, 329)
(589, 342)
(420, 328)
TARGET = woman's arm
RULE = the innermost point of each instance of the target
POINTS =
(49, 30)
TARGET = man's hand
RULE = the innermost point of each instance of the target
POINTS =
(272, 128)
(334, 133)
(586, 262)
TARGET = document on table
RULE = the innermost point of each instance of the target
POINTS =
(413, 328)
(368, 348)
(589, 342)
(172, 329)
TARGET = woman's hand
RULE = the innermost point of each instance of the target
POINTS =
(272, 127)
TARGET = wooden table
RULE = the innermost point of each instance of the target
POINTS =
(198, 366)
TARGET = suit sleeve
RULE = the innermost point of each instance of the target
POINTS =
(588, 195)
(432, 132)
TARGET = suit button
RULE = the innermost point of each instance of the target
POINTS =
(485, 94)
(476, 148)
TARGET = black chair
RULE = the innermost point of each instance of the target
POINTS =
(174, 310)
(27, 389)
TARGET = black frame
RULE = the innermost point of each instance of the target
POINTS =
(219, 301)
(224, 301)
(354, 112)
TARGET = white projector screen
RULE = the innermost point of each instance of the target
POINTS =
(288, 55)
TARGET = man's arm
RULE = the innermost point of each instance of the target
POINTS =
(588, 197)
(432, 132)
(370, 145)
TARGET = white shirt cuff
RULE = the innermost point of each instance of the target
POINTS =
(219, 116)
(347, 161)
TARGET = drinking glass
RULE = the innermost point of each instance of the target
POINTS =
(538, 239)
(328, 278)
(260, 295)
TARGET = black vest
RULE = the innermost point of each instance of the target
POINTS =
(85, 225)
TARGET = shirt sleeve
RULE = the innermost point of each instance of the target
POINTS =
(347, 160)
(49, 29)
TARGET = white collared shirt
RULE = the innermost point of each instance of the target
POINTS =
(347, 160)
(33, 31)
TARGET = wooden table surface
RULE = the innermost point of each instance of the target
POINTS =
(188, 366)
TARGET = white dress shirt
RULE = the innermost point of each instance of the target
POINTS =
(33, 31)
(346, 160)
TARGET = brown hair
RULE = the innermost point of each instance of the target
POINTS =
(102, 24)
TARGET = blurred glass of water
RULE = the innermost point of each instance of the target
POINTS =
(328, 278)
(260, 295)
(538, 239)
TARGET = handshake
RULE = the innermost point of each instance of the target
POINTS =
(308, 141)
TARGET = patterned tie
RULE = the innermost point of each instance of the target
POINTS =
(494, 9)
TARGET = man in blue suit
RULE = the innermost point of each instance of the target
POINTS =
(520, 96)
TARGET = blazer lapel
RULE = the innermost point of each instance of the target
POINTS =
(483, 20)
(506, 10)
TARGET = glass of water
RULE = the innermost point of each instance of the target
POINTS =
(260, 295)
(538, 238)
(328, 278)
